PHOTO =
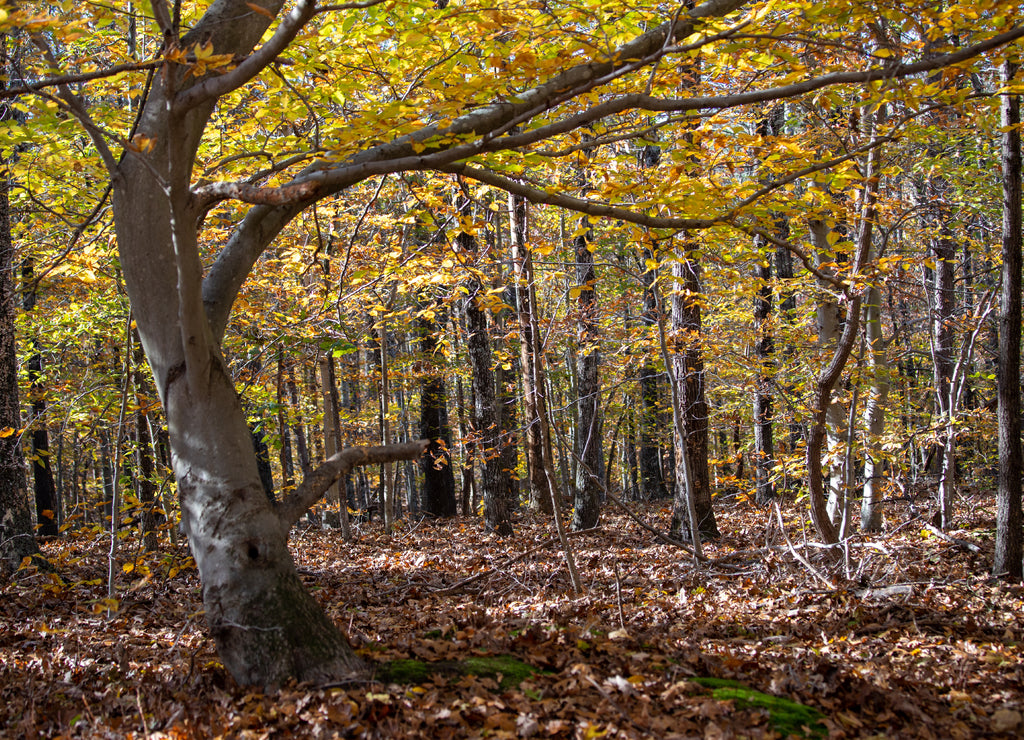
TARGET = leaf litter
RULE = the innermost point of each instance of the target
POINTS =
(906, 636)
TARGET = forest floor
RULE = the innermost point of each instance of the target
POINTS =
(907, 637)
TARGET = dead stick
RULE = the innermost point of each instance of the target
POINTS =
(552, 539)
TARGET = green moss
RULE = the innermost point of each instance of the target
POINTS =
(787, 717)
(512, 671)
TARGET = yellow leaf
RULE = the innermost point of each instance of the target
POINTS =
(7, 432)
(203, 52)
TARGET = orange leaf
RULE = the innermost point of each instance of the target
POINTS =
(259, 9)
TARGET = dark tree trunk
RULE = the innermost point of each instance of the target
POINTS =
(764, 442)
(764, 446)
(1009, 537)
(587, 495)
(42, 472)
(286, 459)
(438, 478)
(652, 481)
(259, 446)
(689, 373)
(486, 420)
(17, 539)
(531, 358)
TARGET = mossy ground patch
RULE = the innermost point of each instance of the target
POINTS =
(786, 716)
(511, 671)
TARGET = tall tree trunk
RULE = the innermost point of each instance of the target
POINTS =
(878, 391)
(764, 443)
(588, 443)
(47, 504)
(821, 394)
(17, 537)
(764, 447)
(531, 357)
(688, 364)
(286, 459)
(486, 421)
(652, 480)
(436, 463)
(1009, 535)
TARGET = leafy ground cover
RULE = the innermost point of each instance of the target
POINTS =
(908, 636)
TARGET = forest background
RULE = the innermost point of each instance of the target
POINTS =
(723, 270)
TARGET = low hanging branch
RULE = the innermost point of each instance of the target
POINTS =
(315, 485)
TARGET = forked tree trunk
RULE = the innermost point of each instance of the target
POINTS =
(266, 626)
(821, 394)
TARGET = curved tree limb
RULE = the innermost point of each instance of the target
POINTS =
(316, 483)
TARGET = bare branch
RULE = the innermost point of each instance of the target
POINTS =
(71, 79)
(77, 108)
(580, 205)
(316, 483)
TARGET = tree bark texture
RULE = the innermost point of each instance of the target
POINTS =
(17, 537)
(1009, 547)
(486, 420)
(587, 494)
(652, 479)
(764, 349)
(688, 364)
(532, 375)
(436, 464)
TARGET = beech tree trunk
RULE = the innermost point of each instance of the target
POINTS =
(1009, 535)
(266, 626)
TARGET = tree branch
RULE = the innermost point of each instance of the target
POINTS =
(77, 108)
(163, 18)
(316, 483)
(205, 197)
(71, 79)
(214, 87)
(580, 205)
(432, 147)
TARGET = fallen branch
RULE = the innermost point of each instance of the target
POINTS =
(962, 544)
(551, 540)
(806, 563)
